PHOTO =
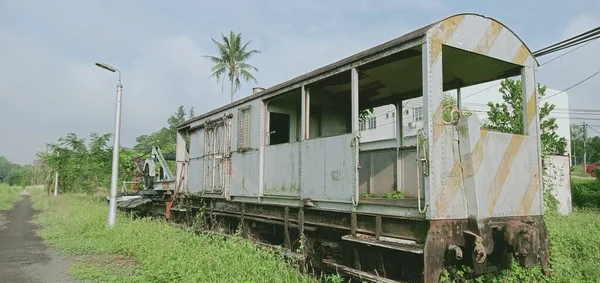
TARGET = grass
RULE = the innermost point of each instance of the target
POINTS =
(145, 250)
(574, 252)
(579, 172)
(9, 196)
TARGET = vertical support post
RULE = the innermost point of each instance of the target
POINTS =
(305, 123)
(56, 184)
(399, 144)
(458, 98)
(180, 159)
(531, 124)
(355, 128)
(353, 224)
(286, 225)
(261, 152)
(354, 99)
(378, 228)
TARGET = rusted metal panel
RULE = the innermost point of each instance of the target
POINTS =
(282, 170)
(245, 173)
(329, 168)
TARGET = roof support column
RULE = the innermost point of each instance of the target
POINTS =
(399, 144)
(305, 116)
(354, 99)
(355, 129)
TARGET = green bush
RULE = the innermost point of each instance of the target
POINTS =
(8, 196)
(585, 193)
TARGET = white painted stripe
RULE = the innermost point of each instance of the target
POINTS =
(505, 47)
(470, 31)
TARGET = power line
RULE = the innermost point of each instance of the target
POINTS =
(567, 42)
(584, 44)
(593, 75)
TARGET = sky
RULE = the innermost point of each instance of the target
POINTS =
(49, 85)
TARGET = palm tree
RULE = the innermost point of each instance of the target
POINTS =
(232, 60)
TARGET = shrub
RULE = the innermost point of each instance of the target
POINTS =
(585, 193)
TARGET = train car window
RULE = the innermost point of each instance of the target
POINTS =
(279, 128)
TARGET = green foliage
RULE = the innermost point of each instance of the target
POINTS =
(8, 196)
(592, 145)
(86, 167)
(14, 174)
(165, 138)
(232, 61)
(448, 99)
(508, 116)
(585, 193)
(364, 114)
(157, 252)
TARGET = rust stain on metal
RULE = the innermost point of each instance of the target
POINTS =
(531, 107)
(521, 55)
(446, 196)
(491, 34)
(532, 189)
(508, 159)
(443, 33)
(438, 125)
(455, 181)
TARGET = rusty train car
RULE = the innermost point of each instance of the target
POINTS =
(283, 163)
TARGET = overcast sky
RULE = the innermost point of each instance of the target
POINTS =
(49, 85)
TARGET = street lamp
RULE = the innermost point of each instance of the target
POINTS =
(112, 211)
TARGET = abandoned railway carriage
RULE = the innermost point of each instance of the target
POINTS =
(286, 161)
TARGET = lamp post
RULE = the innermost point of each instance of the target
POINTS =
(56, 179)
(112, 211)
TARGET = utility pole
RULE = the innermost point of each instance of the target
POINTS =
(56, 179)
(584, 150)
(112, 210)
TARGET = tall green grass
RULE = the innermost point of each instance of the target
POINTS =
(150, 250)
(9, 196)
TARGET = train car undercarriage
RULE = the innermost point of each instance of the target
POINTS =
(361, 246)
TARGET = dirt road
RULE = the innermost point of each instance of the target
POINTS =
(23, 255)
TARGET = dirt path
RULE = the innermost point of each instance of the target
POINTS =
(23, 255)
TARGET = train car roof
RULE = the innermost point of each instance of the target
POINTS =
(416, 34)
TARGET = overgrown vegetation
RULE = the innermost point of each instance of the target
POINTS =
(145, 250)
(85, 165)
(390, 195)
(14, 174)
(592, 145)
(508, 116)
(9, 195)
(585, 193)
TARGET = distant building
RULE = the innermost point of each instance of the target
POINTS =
(379, 131)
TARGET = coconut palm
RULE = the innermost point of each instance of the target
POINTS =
(232, 61)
